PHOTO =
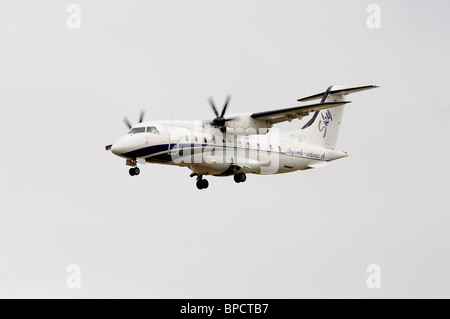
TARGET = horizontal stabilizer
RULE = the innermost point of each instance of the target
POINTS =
(343, 91)
(280, 115)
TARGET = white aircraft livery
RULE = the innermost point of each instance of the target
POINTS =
(243, 143)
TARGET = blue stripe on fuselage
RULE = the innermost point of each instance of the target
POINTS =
(155, 149)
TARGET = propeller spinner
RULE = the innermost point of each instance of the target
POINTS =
(220, 120)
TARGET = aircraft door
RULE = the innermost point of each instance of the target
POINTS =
(165, 136)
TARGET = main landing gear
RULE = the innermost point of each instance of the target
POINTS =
(240, 177)
(134, 171)
(201, 183)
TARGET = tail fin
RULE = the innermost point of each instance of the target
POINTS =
(323, 128)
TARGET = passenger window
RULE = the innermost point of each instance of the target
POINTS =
(258, 146)
(248, 145)
(186, 137)
(271, 148)
(196, 139)
(279, 148)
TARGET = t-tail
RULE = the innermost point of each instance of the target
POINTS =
(323, 128)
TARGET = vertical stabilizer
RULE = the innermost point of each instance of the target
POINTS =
(323, 128)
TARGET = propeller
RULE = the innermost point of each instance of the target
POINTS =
(141, 118)
(219, 121)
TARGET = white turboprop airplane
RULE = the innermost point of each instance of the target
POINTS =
(238, 144)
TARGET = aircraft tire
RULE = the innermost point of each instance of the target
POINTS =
(240, 177)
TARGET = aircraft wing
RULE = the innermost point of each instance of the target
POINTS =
(288, 114)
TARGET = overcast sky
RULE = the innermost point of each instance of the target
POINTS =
(65, 200)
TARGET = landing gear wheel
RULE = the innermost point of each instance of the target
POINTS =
(134, 171)
(202, 184)
(240, 177)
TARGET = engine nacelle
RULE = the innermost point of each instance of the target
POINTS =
(244, 124)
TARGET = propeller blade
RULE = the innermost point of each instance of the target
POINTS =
(141, 117)
(213, 106)
(226, 105)
(127, 123)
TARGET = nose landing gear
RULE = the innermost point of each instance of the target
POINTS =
(134, 171)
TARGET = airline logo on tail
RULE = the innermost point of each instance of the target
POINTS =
(327, 117)
(323, 123)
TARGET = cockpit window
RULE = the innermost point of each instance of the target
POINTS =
(137, 130)
(152, 129)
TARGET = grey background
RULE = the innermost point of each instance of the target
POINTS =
(65, 200)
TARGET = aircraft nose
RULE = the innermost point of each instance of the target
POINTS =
(118, 148)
